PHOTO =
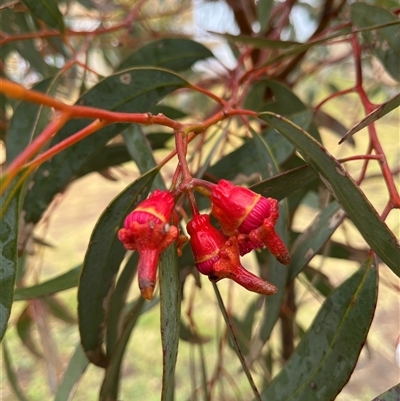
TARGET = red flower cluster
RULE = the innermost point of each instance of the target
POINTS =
(247, 219)
(247, 222)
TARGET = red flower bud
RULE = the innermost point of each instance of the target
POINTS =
(241, 211)
(219, 258)
(147, 231)
(205, 241)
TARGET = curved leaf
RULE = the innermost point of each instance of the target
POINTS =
(8, 258)
(327, 354)
(48, 12)
(57, 284)
(101, 264)
(343, 188)
(170, 311)
(176, 54)
(135, 90)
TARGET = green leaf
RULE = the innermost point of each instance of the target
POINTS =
(48, 12)
(158, 140)
(392, 394)
(258, 43)
(386, 40)
(314, 237)
(16, 23)
(108, 156)
(277, 273)
(318, 280)
(243, 328)
(344, 189)
(75, 370)
(59, 310)
(57, 284)
(170, 310)
(24, 330)
(378, 113)
(172, 54)
(8, 257)
(245, 161)
(170, 112)
(141, 152)
(235, 342)
(284, 184)
(11, 375)
(327, 354)
(28, 120)
(188, 334)
(101, 264)
(264, 8)
(136, 90)
(109, 388)
(117, 303)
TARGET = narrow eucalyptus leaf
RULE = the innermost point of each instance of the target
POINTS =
(170, 309)
(327, 354)
(344, 189)
(75, 370)
(101, 264)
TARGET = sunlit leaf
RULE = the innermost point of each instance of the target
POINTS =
(344, 189)
(170, 310)
(326, 356)
(101, 264)
(48, 12)
(174, 54)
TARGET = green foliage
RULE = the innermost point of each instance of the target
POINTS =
(173, 116)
